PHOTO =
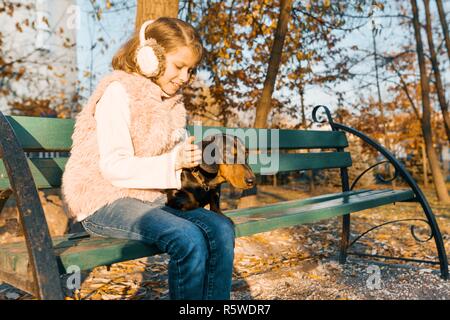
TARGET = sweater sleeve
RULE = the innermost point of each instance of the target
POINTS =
(118, 163)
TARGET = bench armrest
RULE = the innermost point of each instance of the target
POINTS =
(40, 247)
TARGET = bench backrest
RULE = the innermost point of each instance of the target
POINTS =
(276, 150)
(281, 150)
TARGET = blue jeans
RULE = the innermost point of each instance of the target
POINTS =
(200, 243)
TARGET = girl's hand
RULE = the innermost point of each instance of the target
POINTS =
(189, 154)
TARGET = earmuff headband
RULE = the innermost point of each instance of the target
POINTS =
(142, 31)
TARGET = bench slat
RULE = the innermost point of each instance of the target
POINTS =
(43, 134)
(50, 134)
(291, 203)
(261, 222)
(84, 253)
(301, 161)
(288, 139)
(46, 173)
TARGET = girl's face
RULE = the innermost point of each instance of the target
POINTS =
(179, 66)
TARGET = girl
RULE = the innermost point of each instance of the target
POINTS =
(129, 144)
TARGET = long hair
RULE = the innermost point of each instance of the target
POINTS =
(170, 33)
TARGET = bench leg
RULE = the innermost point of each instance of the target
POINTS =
(345, 237)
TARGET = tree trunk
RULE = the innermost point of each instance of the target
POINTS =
(444, 26)
(153, 9)
(424, 166)
(302, 105)
(438, 178)
(264, 104)
(437, 73)
(301, 90)
(312, 187)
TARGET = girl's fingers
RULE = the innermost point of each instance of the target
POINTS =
(196, 160)
(195, 154)
(192, 153)
(191, 147)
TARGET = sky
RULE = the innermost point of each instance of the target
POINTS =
(114, 27)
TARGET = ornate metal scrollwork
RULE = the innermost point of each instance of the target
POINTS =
(379, 176)
(412, 229)
(328, 119)
(401, 171)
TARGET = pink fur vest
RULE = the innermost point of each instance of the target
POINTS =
(155, 127)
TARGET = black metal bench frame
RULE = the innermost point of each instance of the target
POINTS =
(401, 171)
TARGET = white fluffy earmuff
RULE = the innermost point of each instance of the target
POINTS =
(150, 54)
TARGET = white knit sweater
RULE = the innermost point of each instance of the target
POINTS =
(118, 163)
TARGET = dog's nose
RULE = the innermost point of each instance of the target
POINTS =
(250, 181)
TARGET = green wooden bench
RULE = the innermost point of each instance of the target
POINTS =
(36, 265)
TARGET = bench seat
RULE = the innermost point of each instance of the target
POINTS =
(90, 252)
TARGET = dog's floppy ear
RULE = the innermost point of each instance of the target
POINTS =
(210, 168)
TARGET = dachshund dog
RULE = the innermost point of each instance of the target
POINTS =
(224, 159)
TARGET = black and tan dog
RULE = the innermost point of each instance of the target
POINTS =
(224, 160)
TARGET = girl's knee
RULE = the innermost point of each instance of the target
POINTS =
(225, 225)
(224, 232)
(188, 242)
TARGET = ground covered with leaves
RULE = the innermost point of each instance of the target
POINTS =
(300, 262)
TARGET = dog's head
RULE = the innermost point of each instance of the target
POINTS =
(226, 156)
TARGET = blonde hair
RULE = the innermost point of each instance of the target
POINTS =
(169, 33)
